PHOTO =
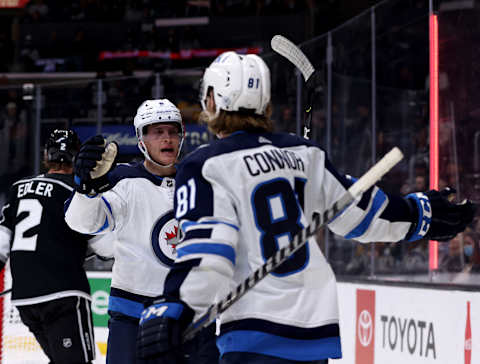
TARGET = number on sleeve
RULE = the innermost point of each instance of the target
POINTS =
(277, 210)
(34, 209)
(253, 82)
(186, 195)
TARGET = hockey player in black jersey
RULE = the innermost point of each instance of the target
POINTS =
(49, 285)
(239, 200)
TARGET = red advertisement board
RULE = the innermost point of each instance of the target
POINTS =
(365, 327)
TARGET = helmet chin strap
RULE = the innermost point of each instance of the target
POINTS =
(144, 150)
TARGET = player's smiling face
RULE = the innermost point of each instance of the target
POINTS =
(162, 141)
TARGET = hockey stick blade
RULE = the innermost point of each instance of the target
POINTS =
(372, 176)
(290, 51)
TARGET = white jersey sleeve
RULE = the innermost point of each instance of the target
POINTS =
(211, 238)
(100, 214)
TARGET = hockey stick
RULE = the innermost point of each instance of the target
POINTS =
(290, 51)
(300, 239)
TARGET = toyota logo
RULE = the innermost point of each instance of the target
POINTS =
(365, 328)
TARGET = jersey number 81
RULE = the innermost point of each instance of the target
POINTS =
(277, 209)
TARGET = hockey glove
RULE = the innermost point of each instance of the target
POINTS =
(438, 218)
(160, 330)
(92, 164)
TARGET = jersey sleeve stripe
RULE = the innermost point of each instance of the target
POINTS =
(109, 214)
(223, 250)
(277, 346)
(105, 225)
(198, 234)
(108, 205)
(127, 307)
(185, 225)
(377, 203)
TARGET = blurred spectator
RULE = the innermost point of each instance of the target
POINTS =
(420, 183)
(37, 11)
(416, 258)
(5, 125)
(361, 260)
(286, 120)
(77, 11)
(189, 40)
(133, 12)
(16, 119)
(471, 249)
(292, 6)
(463, 253)
(28, 55)
(171, 43)
(79, 51)
(385, 261)
(197, 8)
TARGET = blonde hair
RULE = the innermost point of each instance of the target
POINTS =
(228, 122)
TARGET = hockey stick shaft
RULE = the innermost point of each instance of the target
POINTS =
(290, 51)
(364, 183)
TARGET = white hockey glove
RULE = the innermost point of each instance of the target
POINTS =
(92, 164)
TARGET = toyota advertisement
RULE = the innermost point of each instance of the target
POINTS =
(386, 324)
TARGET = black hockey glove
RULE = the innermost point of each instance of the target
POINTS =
(438, 218)
(92, 164)
(160, 331)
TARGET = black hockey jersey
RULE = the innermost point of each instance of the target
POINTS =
(46, 256)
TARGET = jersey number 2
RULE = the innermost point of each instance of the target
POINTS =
(277, 209)
(34, 209)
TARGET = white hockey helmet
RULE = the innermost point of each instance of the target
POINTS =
(157, 111)
(238, 81)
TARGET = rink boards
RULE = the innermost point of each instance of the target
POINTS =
(391, 324)
(379, 324)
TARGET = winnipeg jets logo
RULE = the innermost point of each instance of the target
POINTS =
(165, 238)
(171, 237)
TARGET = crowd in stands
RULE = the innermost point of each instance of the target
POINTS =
(148, 10)
(402, 108)
(87, 30)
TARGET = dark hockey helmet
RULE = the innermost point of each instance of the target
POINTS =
(61, 146)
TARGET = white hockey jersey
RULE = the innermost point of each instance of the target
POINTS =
(138, 210)
(238, 201)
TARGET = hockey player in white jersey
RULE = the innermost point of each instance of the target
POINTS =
(242, 197)
(134, 202)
